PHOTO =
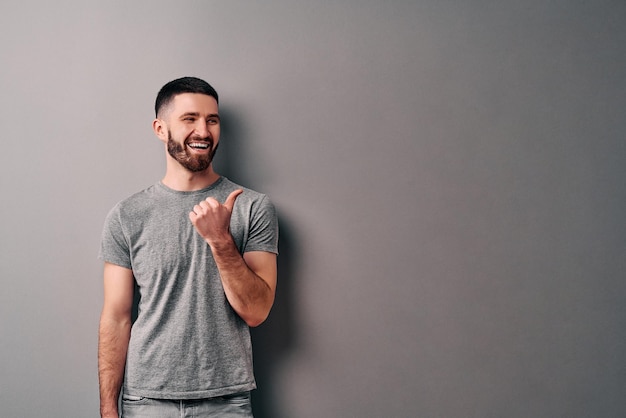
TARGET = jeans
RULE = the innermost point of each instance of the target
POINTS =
(229, 406)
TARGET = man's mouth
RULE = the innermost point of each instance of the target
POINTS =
(199, 145)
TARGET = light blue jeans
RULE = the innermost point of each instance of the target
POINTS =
(230, 406)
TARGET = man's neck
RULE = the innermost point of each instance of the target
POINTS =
(181, 179)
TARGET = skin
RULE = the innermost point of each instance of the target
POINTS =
(249, 280)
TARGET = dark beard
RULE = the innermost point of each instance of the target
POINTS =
(191, 163)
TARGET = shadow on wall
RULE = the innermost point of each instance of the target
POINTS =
(273, 340)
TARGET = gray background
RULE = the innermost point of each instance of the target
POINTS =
(449, 177)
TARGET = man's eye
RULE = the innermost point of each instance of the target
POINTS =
(213, 121)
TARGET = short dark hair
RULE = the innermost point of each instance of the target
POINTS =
(179, 86)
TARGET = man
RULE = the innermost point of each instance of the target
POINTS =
(201, 251)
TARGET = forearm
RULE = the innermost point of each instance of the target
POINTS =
(249, 280)
(248, 294)
(112, 348)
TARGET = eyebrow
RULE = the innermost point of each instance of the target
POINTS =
(197, 115)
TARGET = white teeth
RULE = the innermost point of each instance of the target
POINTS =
(199, 145)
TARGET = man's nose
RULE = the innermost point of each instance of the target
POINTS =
(202, 129)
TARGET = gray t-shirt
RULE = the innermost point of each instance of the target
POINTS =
(187, 341)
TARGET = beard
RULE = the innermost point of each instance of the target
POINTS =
(193, 163)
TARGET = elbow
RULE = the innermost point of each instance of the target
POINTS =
(254, 321)
(255, 317)
(256, 312)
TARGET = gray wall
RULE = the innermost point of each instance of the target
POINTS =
(449, 178)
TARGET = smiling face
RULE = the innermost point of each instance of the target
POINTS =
(190, 127)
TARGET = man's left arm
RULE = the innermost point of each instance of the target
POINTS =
(250, 280)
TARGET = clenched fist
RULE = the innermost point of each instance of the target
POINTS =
(212, 219)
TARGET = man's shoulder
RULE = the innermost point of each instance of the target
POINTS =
(228, 186)
(137, 201)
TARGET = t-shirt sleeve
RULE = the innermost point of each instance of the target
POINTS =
(263, 234)
(114, 245)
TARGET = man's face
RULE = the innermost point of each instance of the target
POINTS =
(193, 130)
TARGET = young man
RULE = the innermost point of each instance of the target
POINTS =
(202, 253)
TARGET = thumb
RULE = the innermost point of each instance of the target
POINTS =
(230, 200)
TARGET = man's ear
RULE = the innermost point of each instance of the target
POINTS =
(160, 129)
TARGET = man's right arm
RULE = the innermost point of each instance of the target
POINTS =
(114, 334)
